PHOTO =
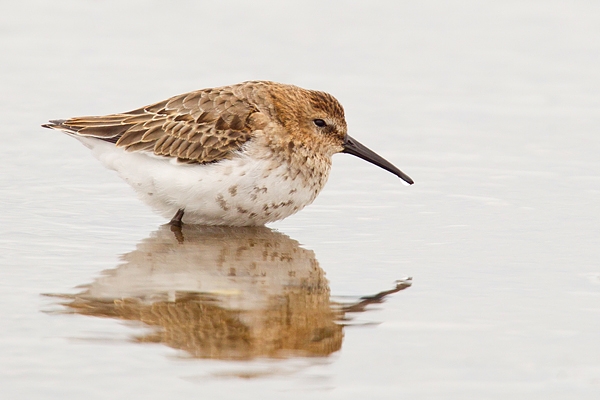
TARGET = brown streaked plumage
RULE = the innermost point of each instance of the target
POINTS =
(197, 127)
(269, 146)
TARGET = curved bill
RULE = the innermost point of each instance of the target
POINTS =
(351, 146)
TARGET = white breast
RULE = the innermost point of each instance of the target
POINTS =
(237, 192)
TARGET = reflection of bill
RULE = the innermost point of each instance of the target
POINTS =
(225, 293)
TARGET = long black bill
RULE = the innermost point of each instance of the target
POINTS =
(351, 146)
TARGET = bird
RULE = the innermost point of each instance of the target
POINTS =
(240, 155)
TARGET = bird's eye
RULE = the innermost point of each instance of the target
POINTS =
(320, 123)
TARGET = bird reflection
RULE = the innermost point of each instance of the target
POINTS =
(224, 293)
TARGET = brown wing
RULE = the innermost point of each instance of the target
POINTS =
(197, 127)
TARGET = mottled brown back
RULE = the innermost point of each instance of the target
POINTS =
(197, 127)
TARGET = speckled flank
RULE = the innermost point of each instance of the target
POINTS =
(222, 203)
(247, 196)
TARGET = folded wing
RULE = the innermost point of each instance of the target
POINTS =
(197, 127)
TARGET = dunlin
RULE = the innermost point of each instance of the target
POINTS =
(244, 154)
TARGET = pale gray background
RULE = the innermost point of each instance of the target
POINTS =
(492, 107)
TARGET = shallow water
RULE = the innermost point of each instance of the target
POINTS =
(492, 109)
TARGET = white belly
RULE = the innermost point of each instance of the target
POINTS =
(237, 192)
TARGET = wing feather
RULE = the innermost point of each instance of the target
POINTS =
(197, 127)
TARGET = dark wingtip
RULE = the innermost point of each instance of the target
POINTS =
(53, 123)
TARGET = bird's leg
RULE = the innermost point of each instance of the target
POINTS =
(175, 224)
(176, 220)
